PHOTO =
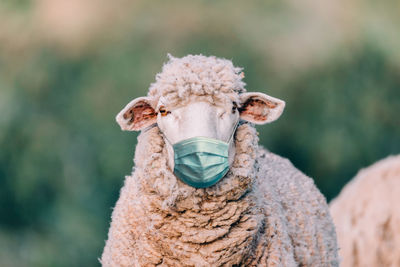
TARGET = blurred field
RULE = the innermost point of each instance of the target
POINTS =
(68, 67)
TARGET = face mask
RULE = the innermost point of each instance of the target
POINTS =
(201, 161)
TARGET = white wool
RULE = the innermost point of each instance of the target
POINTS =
(209, 78)
(264, 212)
(367, 216)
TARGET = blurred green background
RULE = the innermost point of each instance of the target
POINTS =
(68, 67)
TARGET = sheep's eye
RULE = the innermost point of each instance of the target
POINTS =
(234, 107)
(163, 111)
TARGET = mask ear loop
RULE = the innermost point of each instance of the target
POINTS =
(166, 138)
(233, 131)
(162, 133)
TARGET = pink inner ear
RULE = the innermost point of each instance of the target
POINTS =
(256, 109)
(140, 115)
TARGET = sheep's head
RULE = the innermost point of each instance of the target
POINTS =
(198, 96)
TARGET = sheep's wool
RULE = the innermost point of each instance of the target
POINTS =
(367, 216)
(196, 76)
(264, 212)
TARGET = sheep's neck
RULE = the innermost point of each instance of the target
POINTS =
(211, 235)
(202, 225)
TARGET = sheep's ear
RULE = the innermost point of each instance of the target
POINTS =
(137, 115)
(260, 108)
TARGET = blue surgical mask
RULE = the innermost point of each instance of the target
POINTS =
(201, 161)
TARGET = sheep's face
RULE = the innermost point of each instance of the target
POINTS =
(199, 117)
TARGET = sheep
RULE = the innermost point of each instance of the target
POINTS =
(367, 216)
(263, 212)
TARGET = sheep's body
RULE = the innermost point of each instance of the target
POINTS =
(367, 216)
(263, 213)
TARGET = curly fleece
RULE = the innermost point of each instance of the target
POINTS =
(264, 212)
(213, 79)
(367, 216)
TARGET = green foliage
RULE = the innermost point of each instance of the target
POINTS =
(63, 158)
(339, 118)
